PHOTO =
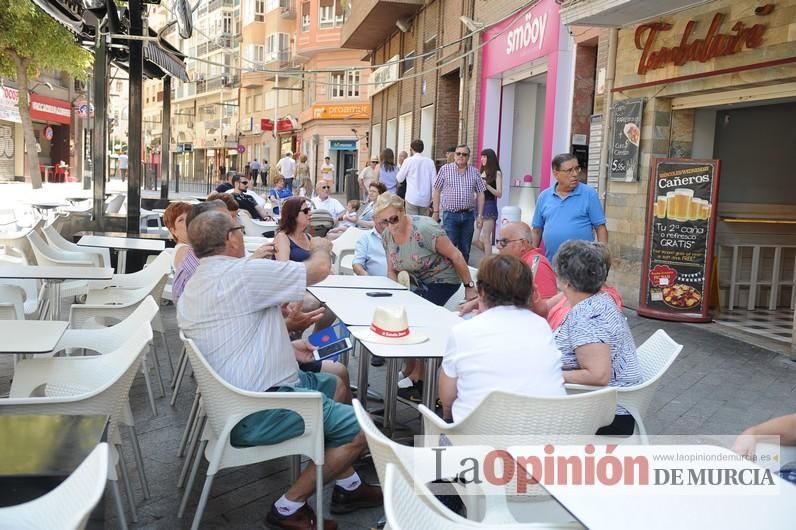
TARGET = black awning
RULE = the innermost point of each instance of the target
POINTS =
(164, 60)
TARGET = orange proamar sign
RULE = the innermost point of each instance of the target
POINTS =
(341, 111)
(714, 44)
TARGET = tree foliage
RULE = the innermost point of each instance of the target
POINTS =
(32, 41)
(35, 38)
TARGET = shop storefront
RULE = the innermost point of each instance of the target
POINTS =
(525, 100)
(51, 126)
(332, 130)
(287, 131)
(717, 82)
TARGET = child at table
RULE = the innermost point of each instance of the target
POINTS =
(350, 217)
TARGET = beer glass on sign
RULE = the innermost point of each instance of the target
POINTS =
(682, 203)
(670, 204)
(660, 207)
(694, 209)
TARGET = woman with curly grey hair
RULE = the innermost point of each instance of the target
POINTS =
(595, 341)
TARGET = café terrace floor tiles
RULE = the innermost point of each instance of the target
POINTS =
(775, 325)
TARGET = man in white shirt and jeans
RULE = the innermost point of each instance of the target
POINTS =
(239, 328)
(419, 173)
(287, 168)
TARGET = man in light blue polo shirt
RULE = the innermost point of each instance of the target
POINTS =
(369, 257)
(568, 209)
(370, 260)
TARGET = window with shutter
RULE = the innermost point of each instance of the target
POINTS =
(404, 132)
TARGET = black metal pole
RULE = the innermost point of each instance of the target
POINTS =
(99, 137)
(165, 139)
(134, 128)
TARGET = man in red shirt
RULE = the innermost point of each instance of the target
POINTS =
(515, 240)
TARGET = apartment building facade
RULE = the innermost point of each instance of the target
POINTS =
(335, 119)
(271, 82)
(497, 74)
(205, 109)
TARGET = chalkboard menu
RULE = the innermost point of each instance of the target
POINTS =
(678, 248)
(625, 137)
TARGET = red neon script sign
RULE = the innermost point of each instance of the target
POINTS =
(714, 44)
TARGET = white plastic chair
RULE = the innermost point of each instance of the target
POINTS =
(154, 277)
(35, 302)
(458, 297)
(57, 240)
(68, 506)
(12, 307)
(47, 255)
(149, 215)
(12, 302)
(114, 203)
(386, 452)
(226, 405)
(112, 305)
(655, 356)
(253, 228)
(345, 243)
(410, 506)
(506, 414)
(502, 417)
(33, 373)
(347, 262)
(103, 388)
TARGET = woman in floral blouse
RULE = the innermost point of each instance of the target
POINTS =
(418, 245)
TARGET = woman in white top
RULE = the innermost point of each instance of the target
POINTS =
(505, 347)
(174, 218)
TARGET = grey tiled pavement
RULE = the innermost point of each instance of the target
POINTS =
(718, 385)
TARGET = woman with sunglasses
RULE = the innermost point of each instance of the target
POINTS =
(292, 241)
(418, 246)
(293, 244)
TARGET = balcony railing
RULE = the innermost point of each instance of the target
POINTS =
(277, 57)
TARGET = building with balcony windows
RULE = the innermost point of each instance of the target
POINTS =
(271, 81)
(205, 121)
(417, 86)
(336, 110)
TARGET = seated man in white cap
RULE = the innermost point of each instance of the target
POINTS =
(237, 325)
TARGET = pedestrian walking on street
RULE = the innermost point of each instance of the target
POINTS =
(567, 210)
(419, 172)
(388, 170)
(302, 171)
(454, 188)
(254, 171)
(287, 168)
(493, 180)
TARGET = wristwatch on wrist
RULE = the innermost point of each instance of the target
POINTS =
(469, 285)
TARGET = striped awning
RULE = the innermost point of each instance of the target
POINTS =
(165, 60)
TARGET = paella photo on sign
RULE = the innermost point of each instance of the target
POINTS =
(681, 296)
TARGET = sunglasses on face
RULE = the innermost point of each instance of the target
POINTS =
(324, 187)
(306, 211)
(389, 221)
(459, 153)
(505, 242)
(244, 182)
